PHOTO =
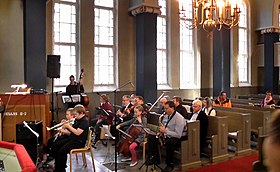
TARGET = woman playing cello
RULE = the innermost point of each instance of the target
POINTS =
(138, 119)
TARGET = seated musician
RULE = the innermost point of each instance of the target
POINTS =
(78, 133)
(200, 115)
(268, 100)
(222, 100)
(105, 117)
(172, 132)
(179, 107)
(162, 101)
(125, 113)
(60, 135)
(139, 100)
(208, 107)
(138, 119)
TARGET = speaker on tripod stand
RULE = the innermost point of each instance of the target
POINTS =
(53, 71)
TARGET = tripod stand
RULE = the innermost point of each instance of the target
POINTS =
(150, 161)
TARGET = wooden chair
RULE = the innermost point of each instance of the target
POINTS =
(87, 148)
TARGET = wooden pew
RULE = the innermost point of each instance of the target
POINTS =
(190, 151)
(217, 136)
(259, 118)
(239, 127)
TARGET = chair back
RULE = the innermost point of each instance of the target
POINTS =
(89, 138)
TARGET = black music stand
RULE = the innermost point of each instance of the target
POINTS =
(116, 117)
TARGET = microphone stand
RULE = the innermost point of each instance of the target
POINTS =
(116, 121)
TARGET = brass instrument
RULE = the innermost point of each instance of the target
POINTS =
(160, 136)
(59, 126)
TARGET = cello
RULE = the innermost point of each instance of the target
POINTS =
(127, 139)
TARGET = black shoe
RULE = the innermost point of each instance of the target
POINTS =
(168, 169)
(94, 145)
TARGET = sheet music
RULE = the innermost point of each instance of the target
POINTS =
(107, 131)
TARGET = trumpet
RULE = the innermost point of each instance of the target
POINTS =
(59, 126)
(160, 136)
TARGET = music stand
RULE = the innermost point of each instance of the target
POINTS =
(150, 158)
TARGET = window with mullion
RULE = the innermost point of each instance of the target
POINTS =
(243, 47)
(104, 49)
(162, 44)
(187, 55)
(65, 40)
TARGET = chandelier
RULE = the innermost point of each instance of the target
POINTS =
(211, 14)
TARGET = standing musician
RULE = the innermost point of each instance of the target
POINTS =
(77, 138)
(172, 132)
(61, 135)
(105, 117)
(138, 119)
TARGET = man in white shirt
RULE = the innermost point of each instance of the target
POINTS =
(172, 131)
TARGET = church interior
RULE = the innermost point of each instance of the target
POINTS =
(56, 54)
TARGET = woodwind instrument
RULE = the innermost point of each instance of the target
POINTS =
(160, 136)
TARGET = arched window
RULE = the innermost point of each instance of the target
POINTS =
(65, 40)
(162, 66)
(243, 45)
(188, 60)
(104, 44)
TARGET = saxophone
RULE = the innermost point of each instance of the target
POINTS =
(160, 136)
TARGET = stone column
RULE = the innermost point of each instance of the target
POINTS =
(145, 12)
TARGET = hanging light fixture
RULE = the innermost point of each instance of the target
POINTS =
(211, 14)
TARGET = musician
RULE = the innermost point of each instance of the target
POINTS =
(77, 132)
(138, 119)
(132, 99)
(61, 135)
(162, 101)
(139, 101)
(105, 117)
(72, 88)
(179, 107)
(125, 113)
(172, 132)
(222, 100)
(199, 114)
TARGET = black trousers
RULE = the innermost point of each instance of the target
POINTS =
(170, 143)
(60, 149)
(97, 127)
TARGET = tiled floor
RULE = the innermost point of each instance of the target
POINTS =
(101, 163)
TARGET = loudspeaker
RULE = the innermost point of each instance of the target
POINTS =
(53, 66)
(25, 137)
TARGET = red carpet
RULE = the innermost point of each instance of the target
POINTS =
(243, 164)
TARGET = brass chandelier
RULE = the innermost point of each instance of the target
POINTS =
(211, 14)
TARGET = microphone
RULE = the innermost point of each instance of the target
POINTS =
(132, 84)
